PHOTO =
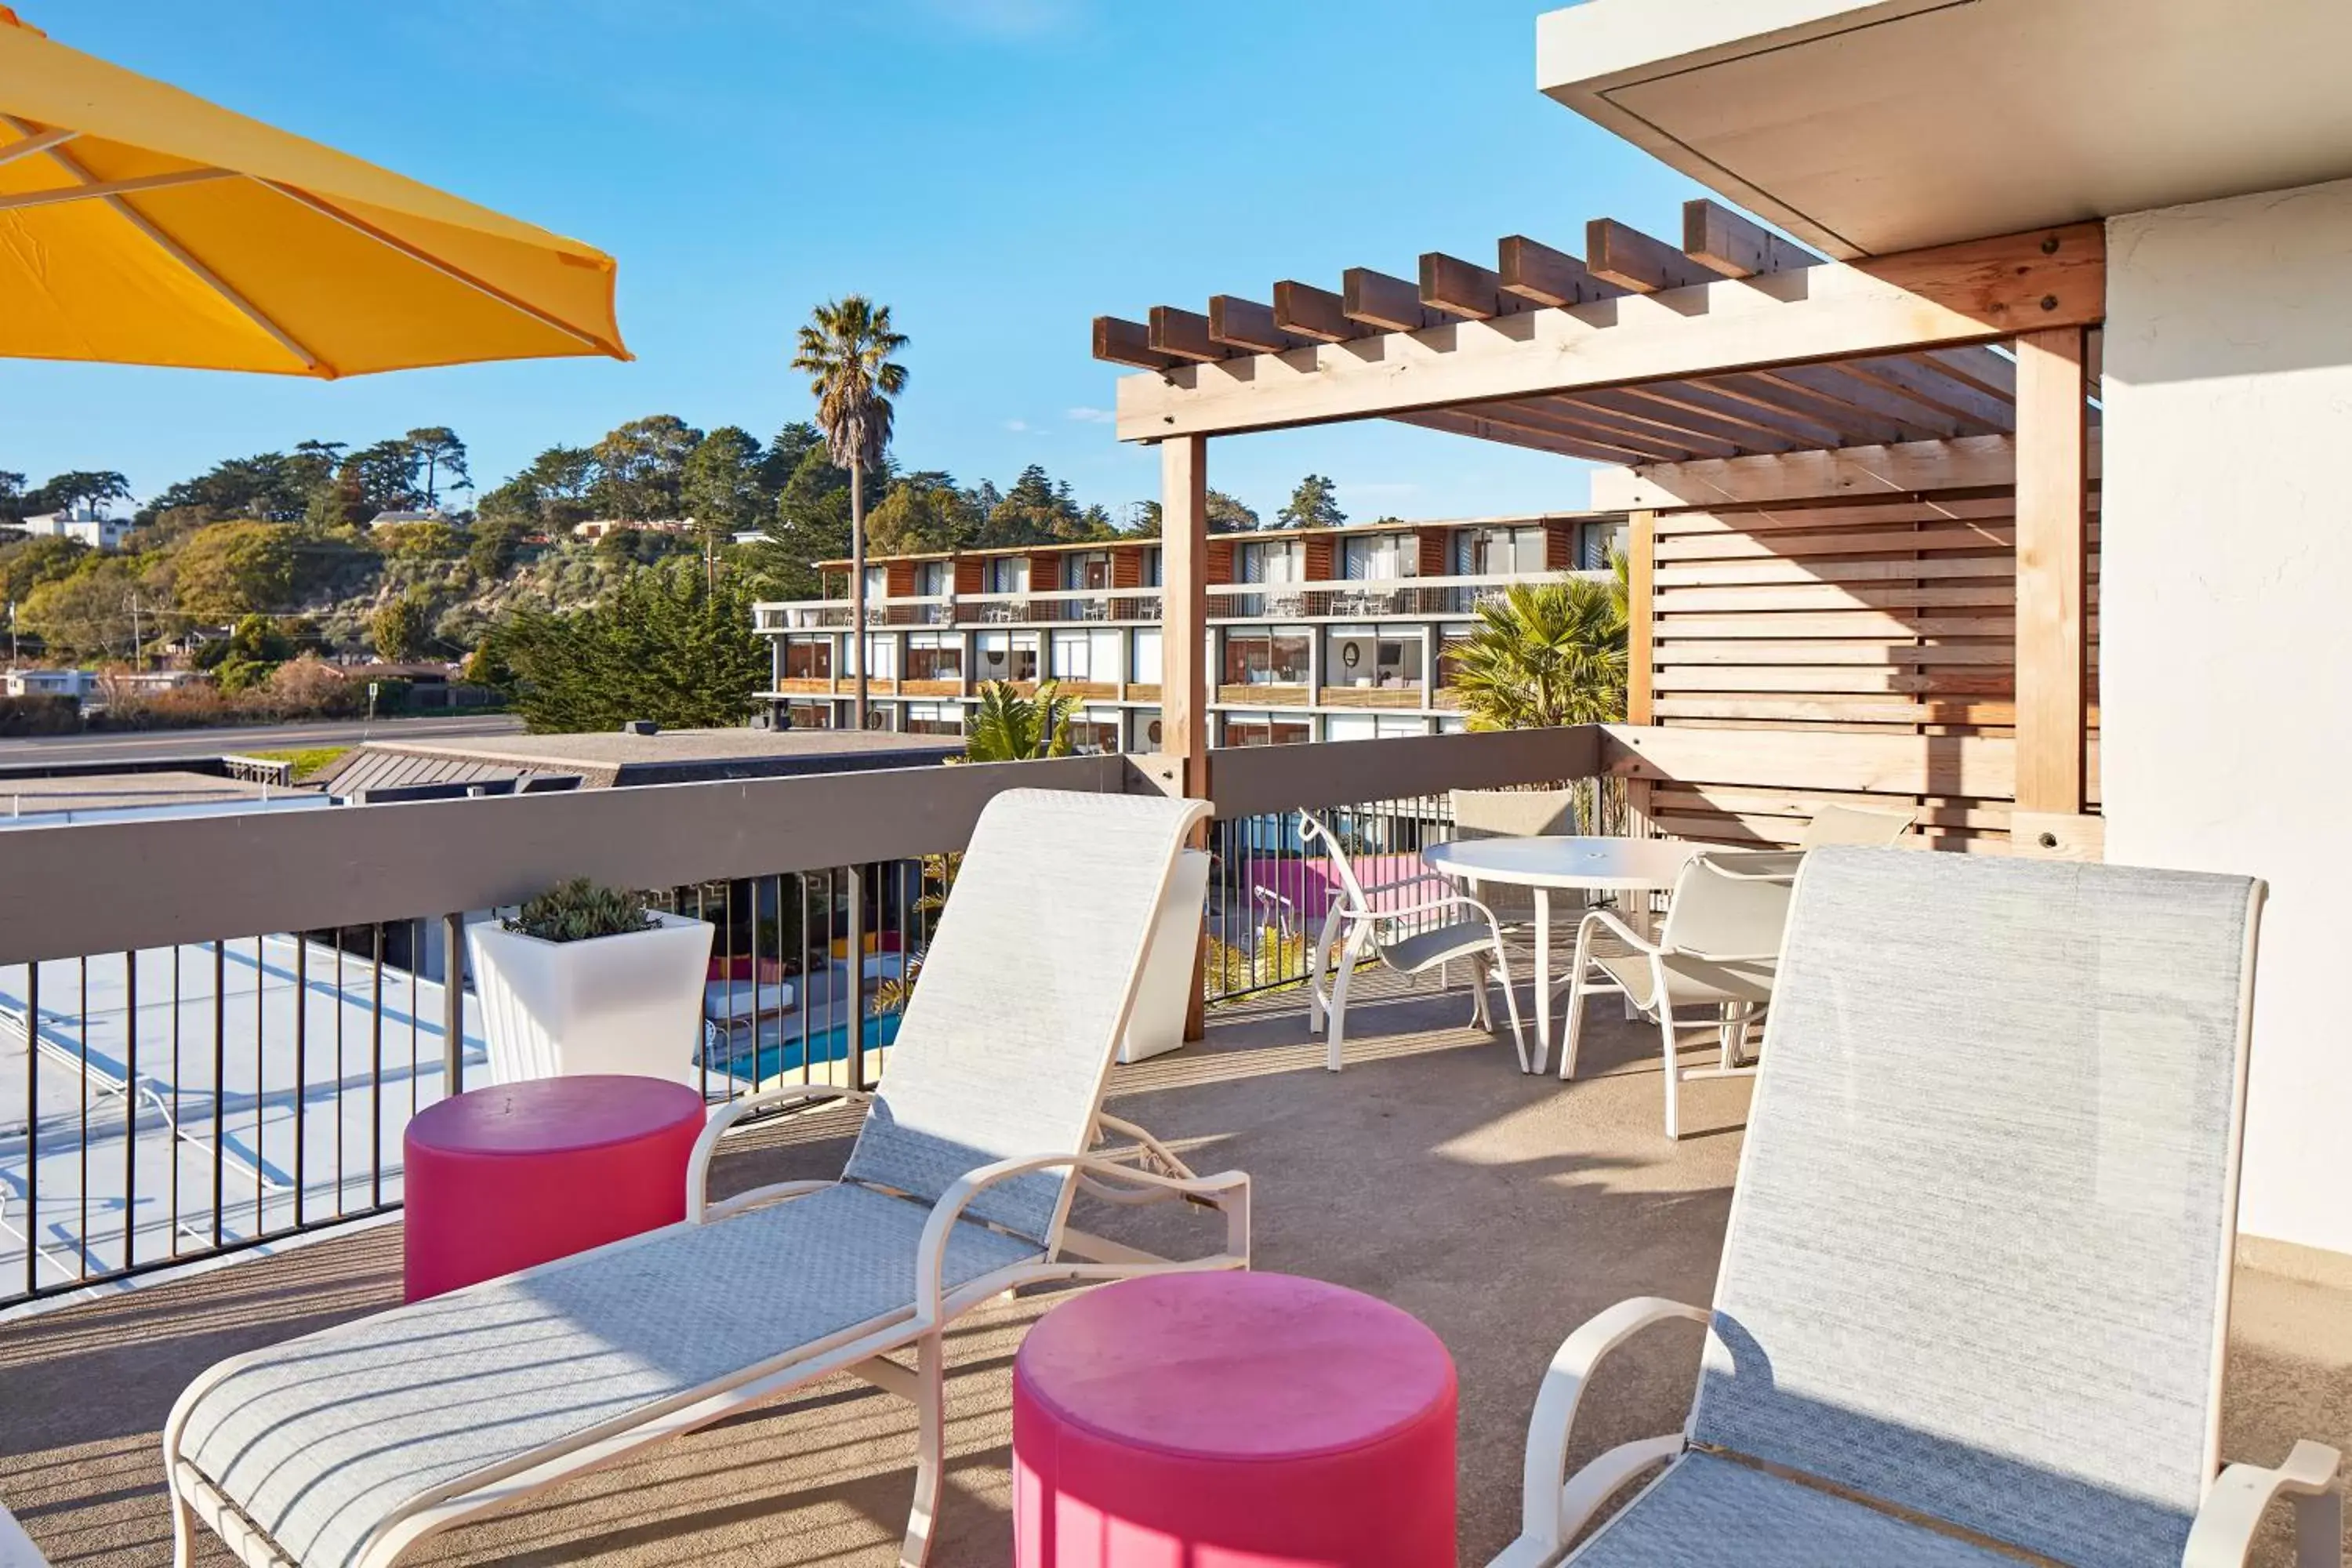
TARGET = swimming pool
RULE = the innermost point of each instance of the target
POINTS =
(779, 1056)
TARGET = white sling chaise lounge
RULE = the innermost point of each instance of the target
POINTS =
(348, 1448)
(1975, 1290)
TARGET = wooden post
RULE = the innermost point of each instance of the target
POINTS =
(1183, 636)
(1185, 607)
(2051, 513)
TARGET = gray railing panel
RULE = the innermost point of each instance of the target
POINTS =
(1249, 780)
(116, 886)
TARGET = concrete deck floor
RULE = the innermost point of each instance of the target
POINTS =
(1502, 1210)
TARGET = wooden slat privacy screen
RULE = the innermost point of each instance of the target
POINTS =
(1890, 616)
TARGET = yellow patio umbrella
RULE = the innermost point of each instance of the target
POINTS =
(142, 225)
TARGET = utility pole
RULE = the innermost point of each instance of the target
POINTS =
(138, 660)
(12, 634)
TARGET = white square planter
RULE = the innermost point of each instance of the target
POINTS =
(1156, 1025)
(627, 1004)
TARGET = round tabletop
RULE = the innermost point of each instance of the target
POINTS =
(1234, 1365)
(1559, 860)
(538, 1116)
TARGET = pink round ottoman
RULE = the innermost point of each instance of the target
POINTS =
(498, 1179)
(1232, 1421)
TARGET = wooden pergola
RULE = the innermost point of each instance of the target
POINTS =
(1861, 493)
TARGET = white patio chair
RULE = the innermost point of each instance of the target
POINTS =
(1866, 826)
(352, 1446)
(1355, 930)
(1510, 813)
(1716, 952)
(1974, 1291)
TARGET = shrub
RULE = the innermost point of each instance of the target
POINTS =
(235, 569)
(39, 716)
(580, 911)
(308, 688)
(241, 675)
(426, 540)
(400, 626)
(181, 707)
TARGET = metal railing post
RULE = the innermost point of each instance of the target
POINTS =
(453, 1004)
(32, 1127)
(858, 977)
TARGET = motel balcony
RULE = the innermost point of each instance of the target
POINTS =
(1328, 600)
(202, 1151)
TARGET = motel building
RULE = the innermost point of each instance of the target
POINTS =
(1320, 634)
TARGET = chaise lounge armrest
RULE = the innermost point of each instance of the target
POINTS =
(1228, 1192)
(698, 1206)
(1553, 1506)
(2224, 1535)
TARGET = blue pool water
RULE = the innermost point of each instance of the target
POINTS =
(831, 1045)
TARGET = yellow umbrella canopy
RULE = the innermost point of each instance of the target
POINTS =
(141, 225)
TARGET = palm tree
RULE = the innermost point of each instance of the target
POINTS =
(1545, 654)
(845, 350)
(1007, 727)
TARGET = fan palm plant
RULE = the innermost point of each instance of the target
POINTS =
(845, 350)
(1545, 654)
(1006, 727)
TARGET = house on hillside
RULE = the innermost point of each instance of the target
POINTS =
(81, 685)
(596, 528)
(82, 524)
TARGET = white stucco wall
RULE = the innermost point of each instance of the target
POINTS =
(2226, 631)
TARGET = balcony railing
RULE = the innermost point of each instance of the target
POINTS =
(1323, 600)
(214, 1030)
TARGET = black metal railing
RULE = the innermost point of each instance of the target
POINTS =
(209, 1097)
(1270, 891)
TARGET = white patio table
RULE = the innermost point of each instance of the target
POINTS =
(1545, 864)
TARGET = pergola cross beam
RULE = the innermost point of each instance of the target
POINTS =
(1982, 291)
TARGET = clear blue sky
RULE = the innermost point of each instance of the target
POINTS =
(998, 171)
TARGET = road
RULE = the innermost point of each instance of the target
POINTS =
(159, 744)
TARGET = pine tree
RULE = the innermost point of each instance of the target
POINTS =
(665, 645)
(1314, 504)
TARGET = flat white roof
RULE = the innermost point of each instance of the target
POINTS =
(202, 1025)
(1868, 129)
(120, 1129)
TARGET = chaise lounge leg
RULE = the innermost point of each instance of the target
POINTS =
(2319, 1530)
(931, 1447)
(1673, 1072)
(184, 1531)
(1335, 1023)
(1335, 1019)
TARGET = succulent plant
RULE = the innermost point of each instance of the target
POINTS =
(580, 911)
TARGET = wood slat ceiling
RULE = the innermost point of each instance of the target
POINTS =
(1935, 394)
